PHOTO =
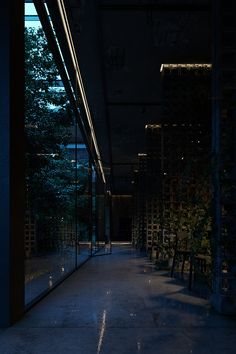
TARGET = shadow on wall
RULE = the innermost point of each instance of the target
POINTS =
(121, 218)
(125, 227)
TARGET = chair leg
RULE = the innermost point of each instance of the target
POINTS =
(183, 263)
(173, 266)
(174, 259)
(190, 280)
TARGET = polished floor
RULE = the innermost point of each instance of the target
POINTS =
(119, 304)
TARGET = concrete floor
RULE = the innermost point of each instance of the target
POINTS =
(118, 304)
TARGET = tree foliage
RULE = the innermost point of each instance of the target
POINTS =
(52, 179)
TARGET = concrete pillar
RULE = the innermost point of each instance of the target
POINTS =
(224, 156)
(11, 161)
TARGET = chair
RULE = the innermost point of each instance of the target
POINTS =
(184, 253)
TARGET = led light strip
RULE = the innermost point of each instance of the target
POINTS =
(60, 52)
(79, 80)
(184, 66)
(148, 126)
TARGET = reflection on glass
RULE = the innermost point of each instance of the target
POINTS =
(61, 205)
(83, 206)
(56, 173)
(101, 234)
(94, 219)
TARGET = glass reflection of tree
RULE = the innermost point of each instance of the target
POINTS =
(50, 170)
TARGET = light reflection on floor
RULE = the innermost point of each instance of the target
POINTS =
(111, 306)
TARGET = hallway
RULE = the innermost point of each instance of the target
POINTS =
(118, 304)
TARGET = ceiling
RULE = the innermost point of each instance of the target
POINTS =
(121, 46)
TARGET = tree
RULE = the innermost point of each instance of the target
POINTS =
(54, 181)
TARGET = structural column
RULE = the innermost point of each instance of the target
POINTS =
(11, 161)
(224, 156)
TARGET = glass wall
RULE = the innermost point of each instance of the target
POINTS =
(58, 196)
(83, 205)
(94, 210)
(101, 234)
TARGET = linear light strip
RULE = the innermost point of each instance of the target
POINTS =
(60, 52)
(79, 79)
(74, 58)
(185, 66)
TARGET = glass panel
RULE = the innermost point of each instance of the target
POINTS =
(83, 205)
(94, 209)
(100, 214)
(57, 171)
